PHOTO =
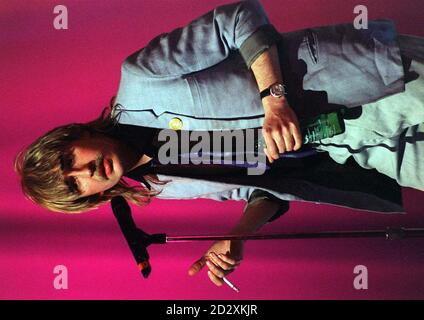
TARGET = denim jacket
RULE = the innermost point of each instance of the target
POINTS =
(200, 75)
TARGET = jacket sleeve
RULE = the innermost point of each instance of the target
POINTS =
(208, 40)
(252, 195)
(259, 195)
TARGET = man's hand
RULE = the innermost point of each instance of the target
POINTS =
(280, 130)
(222, 258)
(229, 253)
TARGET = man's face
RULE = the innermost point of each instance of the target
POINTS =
(93, 164)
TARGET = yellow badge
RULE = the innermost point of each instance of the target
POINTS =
(175, 124)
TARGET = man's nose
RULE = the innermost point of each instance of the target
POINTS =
(83, 171)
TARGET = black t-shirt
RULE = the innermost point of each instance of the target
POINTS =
(317, 169)
(145, 141)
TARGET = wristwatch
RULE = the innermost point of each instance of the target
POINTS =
(276, 90)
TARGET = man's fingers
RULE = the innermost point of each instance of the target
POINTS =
(272, 150)
(221, 262)
(217, 281)
(279, 141)
(197, 266)
(297, 137)
(268, 155)
(229, 260)
(215, 270)
(288, 139)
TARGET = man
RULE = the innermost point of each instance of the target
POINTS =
(231, 70)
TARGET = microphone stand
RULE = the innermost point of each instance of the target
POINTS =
(388, 234)
(138, 240)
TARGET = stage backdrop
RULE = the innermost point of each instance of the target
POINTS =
(51, 77)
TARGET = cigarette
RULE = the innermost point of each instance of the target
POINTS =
(231, 285)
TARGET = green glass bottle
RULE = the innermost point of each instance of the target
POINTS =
(321, 127)
(324, 126)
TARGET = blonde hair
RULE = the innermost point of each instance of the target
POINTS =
(39, 168)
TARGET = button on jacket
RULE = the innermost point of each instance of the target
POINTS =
(201, 73)
(199, 77)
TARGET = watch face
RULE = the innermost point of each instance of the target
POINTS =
(277, 90)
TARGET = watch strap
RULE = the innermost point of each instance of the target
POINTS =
(266, 92)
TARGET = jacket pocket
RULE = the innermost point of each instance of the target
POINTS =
(312, 49)
(311, 40)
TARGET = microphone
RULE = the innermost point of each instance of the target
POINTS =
(137, 239)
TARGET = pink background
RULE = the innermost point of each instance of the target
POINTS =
(52, 77)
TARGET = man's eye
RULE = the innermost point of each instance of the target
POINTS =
(73, 184)
(67, 162)
(76, 185)
(67, 159)
(70, 162)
